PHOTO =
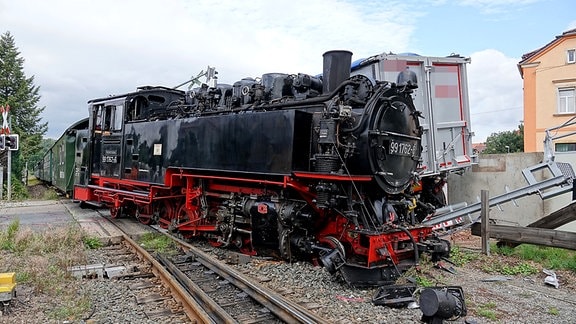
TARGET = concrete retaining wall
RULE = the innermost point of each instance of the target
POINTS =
(496, 171)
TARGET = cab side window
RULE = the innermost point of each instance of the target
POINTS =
(117, 119)
(97, 113)
(108, 118)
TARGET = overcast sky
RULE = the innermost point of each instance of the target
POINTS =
(79, 50)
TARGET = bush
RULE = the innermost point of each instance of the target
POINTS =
(19, 190)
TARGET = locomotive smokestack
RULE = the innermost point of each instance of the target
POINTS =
(336, 69)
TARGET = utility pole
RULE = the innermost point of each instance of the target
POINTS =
(9, 175)
(1, 181)
(8, 142)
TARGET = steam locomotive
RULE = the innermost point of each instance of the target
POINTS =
(291, 165)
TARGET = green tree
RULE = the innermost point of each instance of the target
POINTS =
(506, 141)
(39, 154)
(21, 95)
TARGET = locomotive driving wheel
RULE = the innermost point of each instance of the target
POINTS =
(115, 212)
(164, 211)
(284, 244)
(127, 209)
(186, 215)
(334, 243)
(244, 244)
(142, 216)
(216, 240)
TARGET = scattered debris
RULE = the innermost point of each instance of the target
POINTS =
(88, 271)
(395, 296)
(551, 278)
(442, 266)
(114, 271)
(238, 258)
(495, 279)
(350, 299)
(95, 271)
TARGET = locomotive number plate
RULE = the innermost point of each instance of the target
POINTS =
(109, 159)
(401, 148)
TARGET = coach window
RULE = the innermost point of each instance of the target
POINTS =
(61, 154)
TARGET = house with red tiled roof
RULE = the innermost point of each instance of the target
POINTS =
(549, 78)
(478, 147)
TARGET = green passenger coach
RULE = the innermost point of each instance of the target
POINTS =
(58, 165)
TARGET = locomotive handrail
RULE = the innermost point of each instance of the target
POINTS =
(298, 103)
(130, 193)
(386, 133)
(336, 177)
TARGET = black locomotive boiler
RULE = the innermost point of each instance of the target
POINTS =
(287, 164)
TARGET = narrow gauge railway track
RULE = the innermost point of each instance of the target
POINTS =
(200, 282)
(193, 310)
(234, 293)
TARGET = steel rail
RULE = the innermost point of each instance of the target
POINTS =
(216, 313)
(284, 309)
(193, 310)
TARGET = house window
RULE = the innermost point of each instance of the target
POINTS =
(565, 147)
(566, 101)
(571, 56)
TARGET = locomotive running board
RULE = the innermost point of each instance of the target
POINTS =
(562, 176)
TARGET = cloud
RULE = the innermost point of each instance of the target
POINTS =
(497, 6)
(80, 50)
(496, 97)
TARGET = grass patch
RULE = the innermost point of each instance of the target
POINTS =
(461, 257)
(548, 257)
(92, 243)
(7, 236)
(509, 268)
(157, 242)
(421, 275)
(19, 191)
(33, 181)
(50, 194)
(553, 311)
(70, 307)
(424, 282)
(488, 311)
(40, 261)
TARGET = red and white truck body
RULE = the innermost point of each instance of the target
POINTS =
(442, 97)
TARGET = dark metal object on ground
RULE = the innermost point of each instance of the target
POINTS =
(394, 296)
(442, 303)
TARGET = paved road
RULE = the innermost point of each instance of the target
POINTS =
(41, 215)
(37, 215)
(48, 214)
